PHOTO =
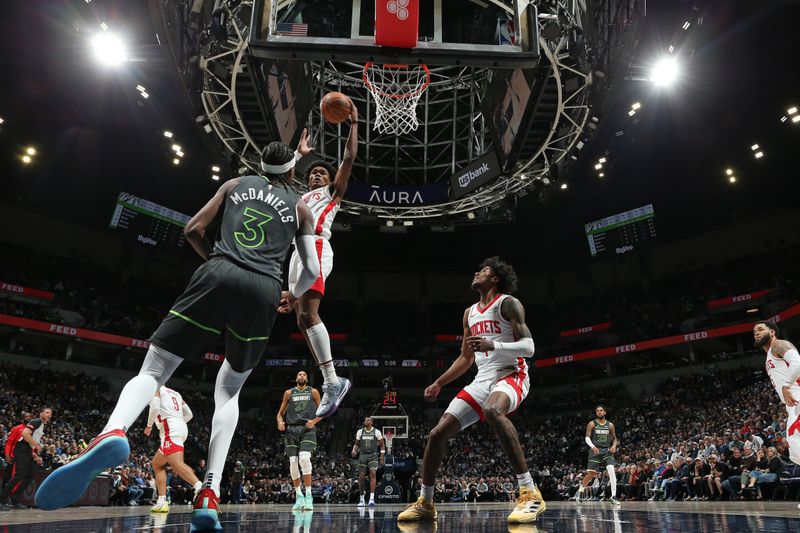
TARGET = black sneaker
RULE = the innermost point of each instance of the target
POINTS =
(4, 507)
(17, 505)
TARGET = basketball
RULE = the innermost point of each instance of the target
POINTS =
(335, 107)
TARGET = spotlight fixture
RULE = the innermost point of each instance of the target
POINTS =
(140, 88)
(732, 179)
(2, 120)
(686, 25)
(636, 105)
(408, 222)
(671, 49)
(104, 26)
(390, 223)
(664, 72)
(792, 110)
(759, 155)
(30, 150)
(176, 161)
(729, 172)
(602, 175)
(26, 159)
(145, 95)
(215, 168)
(215, 177)
(168, 134)
(598, 166)
(795, 119)
(109, 49)
(563, 186)
(471, 215)
(601, 160)
(179, 153)
(631, 113)
(754, 147)
(176, 147)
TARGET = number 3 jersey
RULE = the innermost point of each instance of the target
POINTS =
(258, 225)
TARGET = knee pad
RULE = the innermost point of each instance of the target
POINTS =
(294, 470)
(305, 463)
(159, 364)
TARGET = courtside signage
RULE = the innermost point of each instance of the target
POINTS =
(479, 173)
(435, 193)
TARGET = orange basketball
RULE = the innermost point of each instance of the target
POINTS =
(335, 107)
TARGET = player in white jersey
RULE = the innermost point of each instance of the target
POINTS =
(783, 368)
(498, 341)
(326, 189)
(170, 414)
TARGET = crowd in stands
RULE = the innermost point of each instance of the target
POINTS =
(89, 297)
(671, 447)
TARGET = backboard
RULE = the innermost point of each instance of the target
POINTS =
(490, 33)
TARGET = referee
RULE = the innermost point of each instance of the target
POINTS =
(26, 453)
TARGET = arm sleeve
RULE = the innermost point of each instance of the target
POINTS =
(378, 434)
(187, 413)
(521, 348)
(793, 359)
(306, 249)
(358, 436)
(153, 412)
(588, 441)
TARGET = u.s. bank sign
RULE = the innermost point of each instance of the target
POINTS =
(476, 174)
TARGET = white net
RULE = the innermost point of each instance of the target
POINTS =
(396, 90)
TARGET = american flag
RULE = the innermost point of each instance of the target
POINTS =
(290, 28)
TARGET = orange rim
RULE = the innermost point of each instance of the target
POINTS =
(401, 96)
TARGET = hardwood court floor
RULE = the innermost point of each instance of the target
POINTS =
(560, 517)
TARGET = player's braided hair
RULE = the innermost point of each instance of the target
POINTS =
(504, 271)
(277, 153)
(320, 163)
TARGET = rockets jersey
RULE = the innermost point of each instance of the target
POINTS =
(778, 372)
(324, 209)
(487, 322)
(170, 407)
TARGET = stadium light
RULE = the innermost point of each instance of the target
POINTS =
(176, 161)
(390, 223)
(671, 49)
(729, 171)
(601, 160)
(179, 153)
(140, 88)
(408, 222)
(109, 49)
(176, 147)
(732, 179)
(2, 120)
(145, 95)
(215, 177)
(602, 175)
(631, 113)
(759, 155)
(664, 72)
(686, 25)
(598, 166)
(563, 186)
(636, 105)
(26, 159)
(168, 134)
(792, 110)
(30, 150)
(471, 215)
(215, 168)
(796, 119)
(754, 147)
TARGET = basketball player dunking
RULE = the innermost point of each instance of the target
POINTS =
(783, 369)
(601, 438)
(326, 188)
(498, 341)
(237, 290)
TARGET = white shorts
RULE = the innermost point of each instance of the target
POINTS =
(325, 257)
(173, 435)
(468, 404)
(793, 426)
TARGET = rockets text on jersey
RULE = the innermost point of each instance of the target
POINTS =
(778, 371)
(489, 323)
(324, 209)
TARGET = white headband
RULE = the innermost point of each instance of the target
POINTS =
(281, 169)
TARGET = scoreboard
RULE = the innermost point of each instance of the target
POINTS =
(623, 232)
(148, 222)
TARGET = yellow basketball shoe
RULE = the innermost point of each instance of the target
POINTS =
(162, 508)
(529, 506)
(418, 511)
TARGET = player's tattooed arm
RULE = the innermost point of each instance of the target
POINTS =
(195, 230)
(513, 311)
(780, 347)
(282, 410)
(342, 179)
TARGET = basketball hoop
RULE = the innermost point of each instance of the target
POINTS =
(388, 436)
(396, 90)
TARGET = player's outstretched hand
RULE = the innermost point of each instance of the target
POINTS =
(303, 146)
(790, 400)
(353, 113)
(479, 344)
(286, 304)
(432, 392)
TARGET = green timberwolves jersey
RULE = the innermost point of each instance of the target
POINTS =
(368, 441)
(301, 407)
(258, 225)
(601, 434)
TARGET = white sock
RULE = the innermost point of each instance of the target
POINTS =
(525, 481)
(308, 491)
(223, 425)
(157, 367)
(321, 346)
(372, 496)
(427, 492)
(612, 480)
(161, 500)
(197, 486)
(298, 490)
